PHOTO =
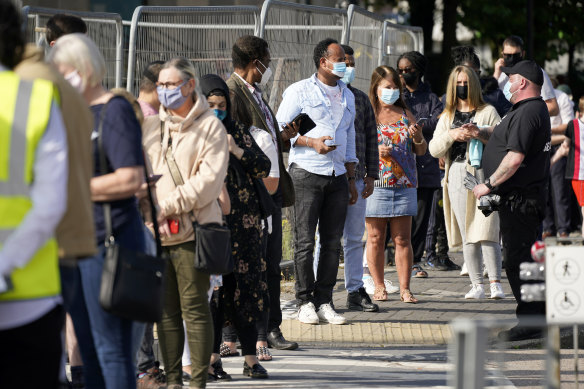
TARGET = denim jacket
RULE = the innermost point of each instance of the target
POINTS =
(306, 96)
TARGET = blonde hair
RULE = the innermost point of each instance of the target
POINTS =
(475, 95)
(79, 51)
(379, 74)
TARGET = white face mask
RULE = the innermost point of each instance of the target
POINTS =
(75, 80)
(266, 75)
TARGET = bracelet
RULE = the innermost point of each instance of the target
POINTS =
(416, 143)
(307, 142)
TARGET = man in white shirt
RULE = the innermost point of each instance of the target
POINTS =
(513, 52)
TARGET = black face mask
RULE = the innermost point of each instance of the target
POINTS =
(462, 92)
(512, 59)
(410, 78)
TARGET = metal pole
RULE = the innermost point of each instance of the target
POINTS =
(576, 355)
(132, 50)
(553, 357)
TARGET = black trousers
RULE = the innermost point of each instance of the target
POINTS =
(37, 344)
(273, 259)
(420, 222)
(320, 200)
(558, 208)
(520, 226)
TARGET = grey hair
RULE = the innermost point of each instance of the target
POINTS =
(186, 70)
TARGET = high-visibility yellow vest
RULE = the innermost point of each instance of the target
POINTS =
(24, 115)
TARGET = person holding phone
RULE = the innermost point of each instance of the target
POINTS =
(323, 176)
(399, 140)
(478, 234)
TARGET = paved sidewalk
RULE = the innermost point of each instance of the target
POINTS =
(441, 298)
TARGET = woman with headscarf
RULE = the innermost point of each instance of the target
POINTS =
(244, 294)
(478, 234)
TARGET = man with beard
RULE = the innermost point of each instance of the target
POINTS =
(513, 53)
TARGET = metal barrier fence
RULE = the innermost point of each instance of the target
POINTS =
(204, 35)
(292, 31)
(103, 28)
(400, 39)
(366, 37)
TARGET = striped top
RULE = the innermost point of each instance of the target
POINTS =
(575, 165)
(399, 169)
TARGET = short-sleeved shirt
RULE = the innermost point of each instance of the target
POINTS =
(575, 163)
(122, 143)
(525, 129)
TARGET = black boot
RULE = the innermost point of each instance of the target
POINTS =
(276, 340)
(360, 301)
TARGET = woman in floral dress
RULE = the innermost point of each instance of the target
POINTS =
(394, 194)
(244, 295)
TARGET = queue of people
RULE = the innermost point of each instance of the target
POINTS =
(211, 151)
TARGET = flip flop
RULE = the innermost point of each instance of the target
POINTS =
(418, 272)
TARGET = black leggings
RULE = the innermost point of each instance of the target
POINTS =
(246, 332)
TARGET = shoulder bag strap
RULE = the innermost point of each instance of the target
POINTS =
(172, 166)
(107, 212)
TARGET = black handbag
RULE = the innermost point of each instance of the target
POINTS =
(131, 282)
(212, 240)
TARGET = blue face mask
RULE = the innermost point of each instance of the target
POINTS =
(339, 68)
(172, 98)
(349, 75)
(389, 96)
(507, 90)
(221, 114)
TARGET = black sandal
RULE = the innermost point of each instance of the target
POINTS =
(225, 351)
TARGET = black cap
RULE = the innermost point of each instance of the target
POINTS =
(527, 69)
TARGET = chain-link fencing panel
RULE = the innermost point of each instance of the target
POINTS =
(292, 31)
(367, 40)
(105, 29)
(204, 35)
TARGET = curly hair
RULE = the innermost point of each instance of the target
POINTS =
(417, 59)
(321, 50)
(248, 48)
(462, 55)
(12, 41)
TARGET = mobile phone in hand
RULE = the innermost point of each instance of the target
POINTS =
(330, 143)
(421, 121)
(154, 178)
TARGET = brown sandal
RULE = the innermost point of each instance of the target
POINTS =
(407, 297)
(380, 293)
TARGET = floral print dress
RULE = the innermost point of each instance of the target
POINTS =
(399, 169)
(245, 291)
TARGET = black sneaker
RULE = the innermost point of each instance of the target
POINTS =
(449, 264)
(360, 301)
(435, 264)
(520, 333)
(255, 371)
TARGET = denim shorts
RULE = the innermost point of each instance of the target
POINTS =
(392, 202)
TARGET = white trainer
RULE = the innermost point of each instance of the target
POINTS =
(389, 287)
(497, 291)
(369, 286)
(307, 314)
(464, 270)
(476, 292)
(327, 314)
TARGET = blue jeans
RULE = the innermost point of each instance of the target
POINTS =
(108, 343)
(352, 242)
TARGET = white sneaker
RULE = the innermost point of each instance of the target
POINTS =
(476, 292)
(389, 287)
(464, 270)
(497, 291)
(369, 286)
(307, 314)
(327, 314)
